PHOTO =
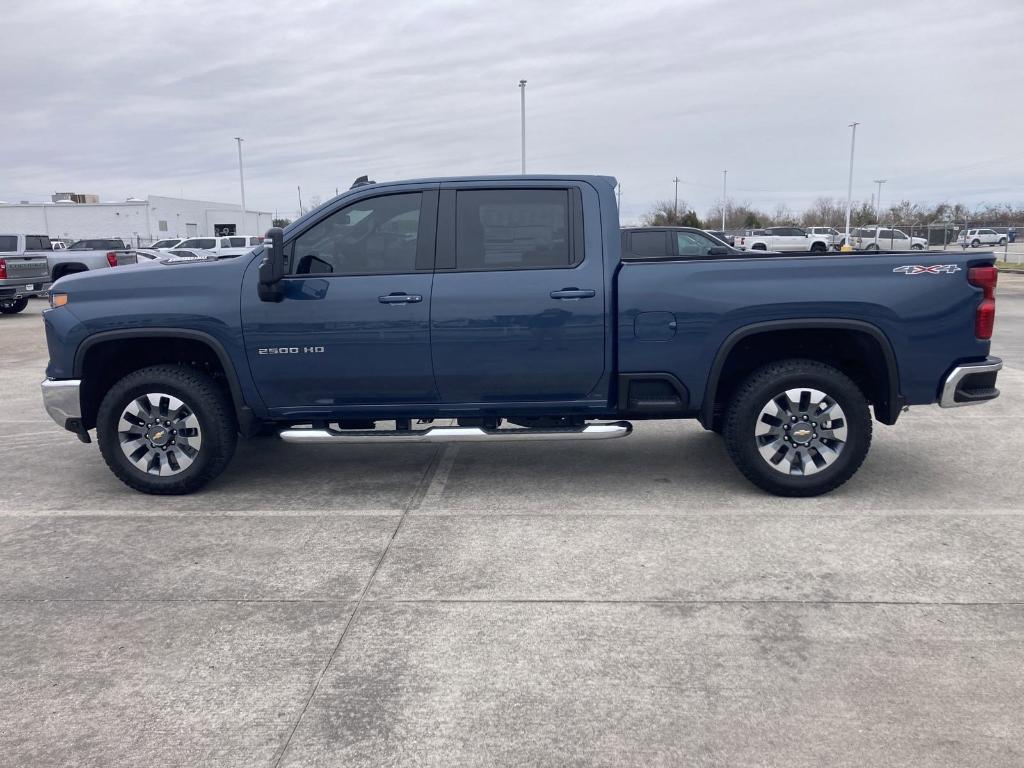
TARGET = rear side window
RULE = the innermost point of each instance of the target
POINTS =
(512, 229)
(37, 243)
(649, 244)
(255, 241)
(234, 242)
(8, 243)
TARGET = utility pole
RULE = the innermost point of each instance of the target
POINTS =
(300, 199)
(878, 200)
(725, 178)
(241, 181)
(619, 193)
(849, 185)
(675, 205)
(522, 119)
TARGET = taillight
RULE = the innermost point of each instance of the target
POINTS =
(111, 258)
(985, 318)
(3, 269)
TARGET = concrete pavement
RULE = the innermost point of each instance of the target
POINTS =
(621, 603)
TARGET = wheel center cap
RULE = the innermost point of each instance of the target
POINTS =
(159, 436)
(802, 432)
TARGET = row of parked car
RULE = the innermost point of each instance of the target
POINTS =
(29, 264)
(821, 239)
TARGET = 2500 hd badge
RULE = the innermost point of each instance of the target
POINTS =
(289, 350)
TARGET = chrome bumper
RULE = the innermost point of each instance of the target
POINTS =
(971, 383)
(62, 401)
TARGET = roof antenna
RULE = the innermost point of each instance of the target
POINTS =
(362, 181)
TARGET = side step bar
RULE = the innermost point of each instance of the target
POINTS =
(456, 434)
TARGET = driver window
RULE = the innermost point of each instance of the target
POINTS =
(375, 236)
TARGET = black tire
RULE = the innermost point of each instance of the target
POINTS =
(759, 247)
(14, 307)
(975, 243)
(872, 247)
(917, 247)
(765, 385)
(818, 248)
(203, 398)
(1002, 241)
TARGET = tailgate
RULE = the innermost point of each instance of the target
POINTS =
(23, 268)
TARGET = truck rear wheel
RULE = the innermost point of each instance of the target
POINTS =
(14, 307)
(166, 429)
(798, 428)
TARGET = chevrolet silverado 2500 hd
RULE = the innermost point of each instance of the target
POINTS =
(504, 303)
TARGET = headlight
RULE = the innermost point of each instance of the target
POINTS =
(58, 299)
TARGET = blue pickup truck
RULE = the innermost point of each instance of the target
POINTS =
(508, 308)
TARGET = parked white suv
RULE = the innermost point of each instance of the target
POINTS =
(781, 239)
(232, 245)
(979, 237)
(876, 238)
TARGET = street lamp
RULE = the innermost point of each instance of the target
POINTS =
(849, 186)
(241, 181)
(725, 178)
(522, 118)
(878, 200)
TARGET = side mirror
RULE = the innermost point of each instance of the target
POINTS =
(718, 250)
(272, 266)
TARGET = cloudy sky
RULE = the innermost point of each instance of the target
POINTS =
(127, 98)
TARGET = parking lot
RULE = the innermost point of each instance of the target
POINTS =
(634, 602)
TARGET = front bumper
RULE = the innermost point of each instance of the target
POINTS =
(971, 383)
(63, 403)
(14, 292)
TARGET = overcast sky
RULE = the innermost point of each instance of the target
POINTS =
(128, 98)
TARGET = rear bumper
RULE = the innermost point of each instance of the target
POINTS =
(62, 401)
(10, 292)
(971, 383)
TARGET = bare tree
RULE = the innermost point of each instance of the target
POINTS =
(666, 214)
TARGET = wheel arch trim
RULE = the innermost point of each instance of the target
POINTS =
(246, 419)
(886, 413)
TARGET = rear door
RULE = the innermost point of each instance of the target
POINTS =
(518, 312)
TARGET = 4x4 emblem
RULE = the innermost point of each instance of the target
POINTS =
(934, 269)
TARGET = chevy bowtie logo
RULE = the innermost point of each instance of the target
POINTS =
(158, 435)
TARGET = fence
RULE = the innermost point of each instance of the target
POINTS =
(947, 236)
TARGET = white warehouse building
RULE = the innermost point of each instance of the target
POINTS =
(138, 222)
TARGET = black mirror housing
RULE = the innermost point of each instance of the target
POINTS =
(718, 250)
(272, 266)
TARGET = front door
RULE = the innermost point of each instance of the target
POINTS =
(353, 329)
(519, 305)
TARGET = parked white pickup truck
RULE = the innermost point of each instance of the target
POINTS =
(23, 270)
(832, 236)
(781, 239)
(233, 245)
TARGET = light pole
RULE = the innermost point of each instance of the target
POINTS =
(725, 178)
(522, 119)
(619, 205)
(241, 181)
(849, 186)
(675, 205)
(878, 200)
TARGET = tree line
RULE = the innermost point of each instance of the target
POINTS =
(831, 212)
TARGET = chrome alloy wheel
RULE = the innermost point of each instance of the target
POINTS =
(159, 434)
(800, 431)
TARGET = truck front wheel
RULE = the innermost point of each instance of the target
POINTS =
(798, 428)
(166, 429)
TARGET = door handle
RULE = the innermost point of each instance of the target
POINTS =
(400, 298)
(574, 293)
